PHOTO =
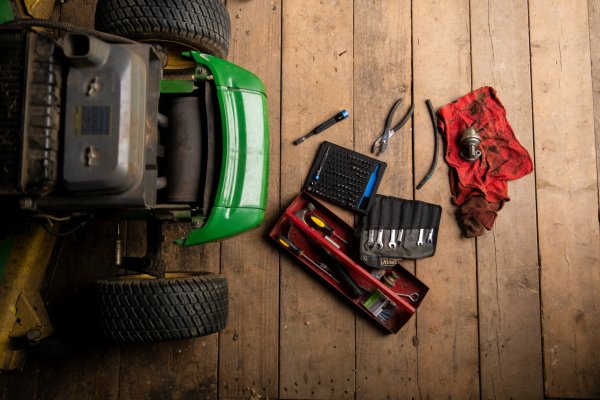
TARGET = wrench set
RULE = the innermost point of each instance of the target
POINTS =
(397, 229)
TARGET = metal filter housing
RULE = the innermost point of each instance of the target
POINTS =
(104, 116)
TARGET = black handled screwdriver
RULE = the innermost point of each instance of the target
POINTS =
(327, 124)
(291, 246)
(318, 223)
(353, 290)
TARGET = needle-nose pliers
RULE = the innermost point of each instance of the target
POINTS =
(381, 144)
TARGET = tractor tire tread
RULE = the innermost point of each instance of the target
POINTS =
(201, 24)
(162, 309)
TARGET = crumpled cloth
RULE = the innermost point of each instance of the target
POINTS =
(503, 158)
(477, 214)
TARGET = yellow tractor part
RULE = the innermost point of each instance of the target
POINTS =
(23, 316)
(36, 8)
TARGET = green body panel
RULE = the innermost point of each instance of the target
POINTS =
(223, 223)
(6, 12)
(227, 74)
(241, 193)
(176, 86)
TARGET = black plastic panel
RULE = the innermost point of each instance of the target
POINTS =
(11, 99)
(345, 177)
(29, 113)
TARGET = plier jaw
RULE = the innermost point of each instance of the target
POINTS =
(381, 144)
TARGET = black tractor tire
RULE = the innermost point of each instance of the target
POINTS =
(141, 308)
(202, 25)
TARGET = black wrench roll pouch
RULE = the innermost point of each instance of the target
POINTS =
(396, 229)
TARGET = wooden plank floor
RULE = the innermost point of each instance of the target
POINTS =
(513, 314)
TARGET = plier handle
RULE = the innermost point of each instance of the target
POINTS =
(381, 144)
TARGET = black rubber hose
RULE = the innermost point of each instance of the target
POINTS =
(435, 147)
(63, 26)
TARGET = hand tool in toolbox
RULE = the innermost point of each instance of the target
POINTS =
(392, 304)
(344, 177)
(397, 279)
(297, 251)
(381, 144)
(390, 278)
(333, 265)
(316, 222)
(325, 125)
(353, 290)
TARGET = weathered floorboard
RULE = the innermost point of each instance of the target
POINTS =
(179, 369)
(22, 384)
(248, 349)
(386, 364)
(317, 329)
(508, 274)
(594, 21)
(567, 197)
(447, 320)
(288, 335)
(85, 366)
(79, 13)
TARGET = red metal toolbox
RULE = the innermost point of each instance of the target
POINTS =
(332, 254)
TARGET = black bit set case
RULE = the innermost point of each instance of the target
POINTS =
(345, 177)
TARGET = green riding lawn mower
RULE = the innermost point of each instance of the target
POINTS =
(141, 118)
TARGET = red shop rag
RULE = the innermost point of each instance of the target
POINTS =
(480, 188)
